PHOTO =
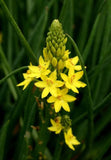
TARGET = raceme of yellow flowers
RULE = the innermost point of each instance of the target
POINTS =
(57, 74)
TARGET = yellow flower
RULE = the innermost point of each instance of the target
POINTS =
(61, 100)
(49, 84)
(70, 139)
(72, 80)
(66, 55)
(56, 125)
(71, 64)
(41, 69)
(35, 72)
(27, 80)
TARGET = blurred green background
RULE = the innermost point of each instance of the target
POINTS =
(88, 22)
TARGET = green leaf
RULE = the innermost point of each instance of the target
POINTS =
(3, 136)
(18, 31)
(103, 121)
(85, 25)
(11, 73)
(91, 39)
(102, 147)
(38, 33)
(67, 18)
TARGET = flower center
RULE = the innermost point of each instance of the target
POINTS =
(49, 82)
(59, 97)
(28, 71)
(72, 78)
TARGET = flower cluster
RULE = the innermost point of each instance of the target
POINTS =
(57, 74)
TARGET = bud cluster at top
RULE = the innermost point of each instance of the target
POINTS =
(55, 50)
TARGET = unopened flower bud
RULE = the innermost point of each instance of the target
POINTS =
(54, 62)
(66, 122)
(60, 64)
(56, 40)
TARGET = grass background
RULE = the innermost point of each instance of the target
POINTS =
(88, 22)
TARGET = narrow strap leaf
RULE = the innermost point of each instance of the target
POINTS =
(18, 31)
(12, 73)
(3, 136)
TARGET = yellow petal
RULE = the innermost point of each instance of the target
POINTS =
(78, 75)
(68, 143)
(75, 60)
(53, 75)
(41, 61)
(33, 68)
(53, 91)
(75, 141)
(71, 72)
(68, 85)
(78, 68)
(25, 83)
(57, 106)
(59, 83)
(64, 77)
(51, 99)
(79, 84)
(66, 106)
(40, 84)
(74, 89)
(45, 92)
(69, 98)
(64, 91)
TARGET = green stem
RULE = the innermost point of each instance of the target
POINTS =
(10, 83)
(90, 102)
(7, 69)
(2, 55)
(13, 72)
(10, 36)
(18, 31)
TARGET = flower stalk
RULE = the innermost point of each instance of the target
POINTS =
(56, 75)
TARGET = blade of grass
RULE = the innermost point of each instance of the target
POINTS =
(35, 37)
(10, 36)
(55, 9)
(98, 39)
(3, 136)
(66, 16)
(107, 31)
(85, 25)
(108, 157)
(90, 102)
(104, 47)
(96, 109)
(58, 149)
(39, 32)
(10, 83)
(12, 73)
(39, 27)
(105, 144)
(18, 31)
(86, 51)
(7, 69)
(105, 119)
(29, 117)
(14, 115)
(98, 68)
